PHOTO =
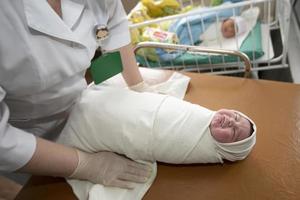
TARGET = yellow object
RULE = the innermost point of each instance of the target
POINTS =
(159, 8)
(139, 14)
(187, 8)
(135, 36)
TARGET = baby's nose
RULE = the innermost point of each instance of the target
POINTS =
(231, 122)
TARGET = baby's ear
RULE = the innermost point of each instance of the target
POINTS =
(251, 128)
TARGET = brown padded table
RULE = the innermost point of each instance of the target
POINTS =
(272, 170)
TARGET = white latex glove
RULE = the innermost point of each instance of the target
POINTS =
(110, 169)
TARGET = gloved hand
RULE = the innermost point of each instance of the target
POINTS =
(110, 169)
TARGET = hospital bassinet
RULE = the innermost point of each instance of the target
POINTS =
(188, 56)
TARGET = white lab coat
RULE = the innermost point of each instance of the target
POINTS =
(43, 59)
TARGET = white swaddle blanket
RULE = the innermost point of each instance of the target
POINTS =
(131, 123)
(143, 126)
(213, 37)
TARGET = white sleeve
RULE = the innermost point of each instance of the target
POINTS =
(16, 146)
(117, 25)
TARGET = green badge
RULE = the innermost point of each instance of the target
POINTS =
(106, 66)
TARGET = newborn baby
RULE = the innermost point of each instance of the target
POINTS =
(153, 127)
(229, 126)
(228, 26)
(147, 126)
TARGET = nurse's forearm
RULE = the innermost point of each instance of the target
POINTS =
(131, 73)
(51, 159)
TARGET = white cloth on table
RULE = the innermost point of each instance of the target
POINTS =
(175, 85)
(144, 127)
(166, 82)
(131, 123)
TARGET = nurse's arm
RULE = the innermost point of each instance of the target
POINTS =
(23, 152)
(51, 159)
(131, 73)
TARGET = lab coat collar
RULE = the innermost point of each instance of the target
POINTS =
(71, 11)
(41, 17)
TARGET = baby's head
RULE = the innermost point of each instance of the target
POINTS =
(227, 28)
(229, 25)
(229, 126)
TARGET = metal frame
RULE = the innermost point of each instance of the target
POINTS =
(195, 49)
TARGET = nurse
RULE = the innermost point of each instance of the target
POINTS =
(45, 50)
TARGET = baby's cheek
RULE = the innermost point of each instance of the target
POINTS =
(220, 135)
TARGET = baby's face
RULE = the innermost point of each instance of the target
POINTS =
(229, 126)
(228, 28)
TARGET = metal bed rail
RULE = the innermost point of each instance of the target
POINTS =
(200, 50)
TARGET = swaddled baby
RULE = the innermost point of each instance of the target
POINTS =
(147, 126)
(152, 127)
